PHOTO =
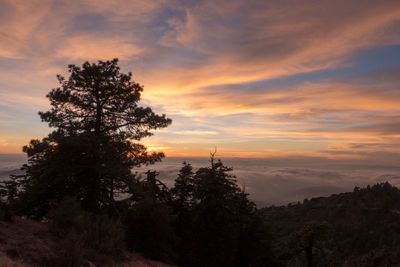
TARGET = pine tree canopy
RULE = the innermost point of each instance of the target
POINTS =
(91, 153)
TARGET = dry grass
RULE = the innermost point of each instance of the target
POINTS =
(145, 263)
(26, 240)
(136, 260)
(26, 243)
(5, 261)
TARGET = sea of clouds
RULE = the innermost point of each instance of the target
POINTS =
(273, 181)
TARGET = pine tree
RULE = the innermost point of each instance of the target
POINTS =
(97, 122)
(183, 190)
(183, 202)
(216, 222)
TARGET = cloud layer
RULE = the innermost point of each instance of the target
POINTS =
(255, 78)
(283, 180)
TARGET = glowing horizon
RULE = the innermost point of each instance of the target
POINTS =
(253, 78)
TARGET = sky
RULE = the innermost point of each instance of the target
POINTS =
(278, 78)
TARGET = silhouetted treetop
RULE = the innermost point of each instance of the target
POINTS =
(91, 153)
(99, 99)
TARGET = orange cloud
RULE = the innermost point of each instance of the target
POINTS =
(191, 56)
(80, 48)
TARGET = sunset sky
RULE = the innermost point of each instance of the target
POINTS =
(254, 78)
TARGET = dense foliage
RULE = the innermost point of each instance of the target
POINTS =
(80, 178)
(216, 223)
(90, 154)
(360, 228)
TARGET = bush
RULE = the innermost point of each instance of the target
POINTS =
(85, 235)
(5, 211)
(103, 235)
(67, 217)
(72, 252)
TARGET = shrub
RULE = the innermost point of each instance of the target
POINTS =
(85, 235)
(5, 211)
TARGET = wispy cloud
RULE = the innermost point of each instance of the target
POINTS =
(255, 78)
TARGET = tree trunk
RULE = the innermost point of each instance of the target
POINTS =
(99, 114)
(309, 256)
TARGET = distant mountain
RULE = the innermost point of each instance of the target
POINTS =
(4, 174)
(360, 228)
(11, 164)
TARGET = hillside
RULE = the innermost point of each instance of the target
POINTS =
(359, 228)
(25, 243)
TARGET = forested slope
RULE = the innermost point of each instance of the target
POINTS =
(359, 228)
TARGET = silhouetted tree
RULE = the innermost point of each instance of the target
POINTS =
(308, 239)
(183, 190)
(217, 223)
(183, 202)
(149, 220)
(90, 154)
